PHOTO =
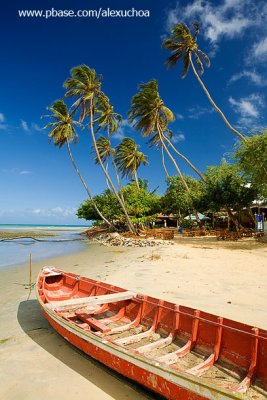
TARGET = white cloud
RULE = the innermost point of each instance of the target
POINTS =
(259, 50)
(3, 126)
(36, 127)
(54, 212)
(227, 19)
(180, 137)
(24, 172)
(124, 129)
(29, 127)
(40, 215)
(253, 76)
(24, 125)
(198, 111)
(179, 116)
(248, 108)
(16, 171)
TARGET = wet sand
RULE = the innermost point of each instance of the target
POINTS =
(37, 363)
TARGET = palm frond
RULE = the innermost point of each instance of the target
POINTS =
(172, 60)
(196, 27)
(168, 114)
(199, 64)
(186, 63)
(204, 57)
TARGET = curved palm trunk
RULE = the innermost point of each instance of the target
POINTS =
(116, 172)
(107, 173)
(163, 162)
(118, 179)
(185, 159)
(129, 222)
(213, 104)
(161, 135)
(86, 188)
(136, 180)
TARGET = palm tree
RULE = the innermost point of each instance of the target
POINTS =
(182, 44)
(128, 159)
(105, 152)
(105, 149)
(149, 115)
(110, 121)
(63, 132)
(85, 85)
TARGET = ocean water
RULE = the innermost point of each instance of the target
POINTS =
(38, 227)
(18, 251)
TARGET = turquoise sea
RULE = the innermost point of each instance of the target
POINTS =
(17, 251)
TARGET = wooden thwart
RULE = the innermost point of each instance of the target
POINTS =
(90, 301)
(159, 344)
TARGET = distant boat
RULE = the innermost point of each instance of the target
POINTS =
(176, 351)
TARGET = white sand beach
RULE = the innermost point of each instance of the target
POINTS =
(229, 280)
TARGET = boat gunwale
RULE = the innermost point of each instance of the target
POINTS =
(139, 296)
(104, 343)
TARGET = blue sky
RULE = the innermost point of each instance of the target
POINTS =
(38, 183)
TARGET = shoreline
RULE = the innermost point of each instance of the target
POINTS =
(16, 246)
(230, 282)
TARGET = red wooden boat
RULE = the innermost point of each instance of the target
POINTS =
(176, 351)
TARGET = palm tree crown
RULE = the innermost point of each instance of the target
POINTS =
(128, 158)
(105, 149)
(84, 84)
(182, 43)
(148, 111)
(108, 119)
(63, 128)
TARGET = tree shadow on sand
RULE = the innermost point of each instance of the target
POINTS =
(37, 328)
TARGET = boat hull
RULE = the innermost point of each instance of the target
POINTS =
(138, 337)
(138, 373)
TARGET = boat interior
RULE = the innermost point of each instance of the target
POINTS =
(221, 351)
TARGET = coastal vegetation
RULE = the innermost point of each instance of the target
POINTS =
(128, 203)
(251, 157)
(142, 205)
